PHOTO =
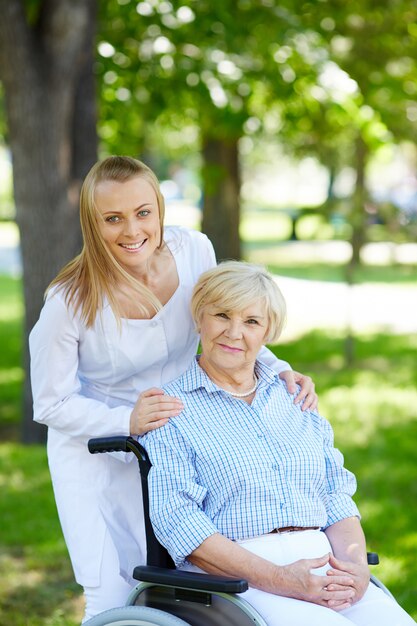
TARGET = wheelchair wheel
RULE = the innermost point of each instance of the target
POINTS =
(135, 616)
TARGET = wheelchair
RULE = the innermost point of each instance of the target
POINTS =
(169, 597)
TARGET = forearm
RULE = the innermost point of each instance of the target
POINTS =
(83, 418)
(219, 555)
(348, 540)
(348, 544)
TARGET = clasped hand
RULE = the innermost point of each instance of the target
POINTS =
(359, 574)
(341, 586)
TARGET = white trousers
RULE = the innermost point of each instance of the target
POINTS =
(113, 590)
(374, 609)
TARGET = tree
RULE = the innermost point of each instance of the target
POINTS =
(46, 61)
(207, 61)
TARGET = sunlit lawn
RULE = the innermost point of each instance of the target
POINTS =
(373, 408)
(36, 581)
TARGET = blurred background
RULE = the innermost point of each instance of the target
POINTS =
(287, 132)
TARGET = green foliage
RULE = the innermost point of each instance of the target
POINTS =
(208, 63)
(376, 45)
(332, 80)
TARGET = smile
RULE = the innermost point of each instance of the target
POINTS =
(229, 348)
(132, 246)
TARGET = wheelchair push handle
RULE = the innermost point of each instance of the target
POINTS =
(118, 444)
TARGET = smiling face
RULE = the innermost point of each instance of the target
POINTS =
(231, 340)
(129, 220)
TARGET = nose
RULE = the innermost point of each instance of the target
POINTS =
(234, 329)
(131, 227)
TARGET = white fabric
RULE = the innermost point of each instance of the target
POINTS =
(113, 590)
(374, 609)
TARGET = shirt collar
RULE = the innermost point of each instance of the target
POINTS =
(195, 377)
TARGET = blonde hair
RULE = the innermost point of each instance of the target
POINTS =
(95, 274)
(235, 285)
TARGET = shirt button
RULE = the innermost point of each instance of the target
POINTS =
(153, 324)
(260, 436)
(275, 467)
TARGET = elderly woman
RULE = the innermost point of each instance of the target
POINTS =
(244, 483)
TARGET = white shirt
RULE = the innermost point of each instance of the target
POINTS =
(85, 382)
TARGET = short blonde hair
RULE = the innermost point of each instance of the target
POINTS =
(235, 285)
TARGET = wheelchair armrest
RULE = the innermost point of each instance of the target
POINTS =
(189, 580)
(196, 581)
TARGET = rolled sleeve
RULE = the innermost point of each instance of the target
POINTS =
(175, 496)
(340, 482)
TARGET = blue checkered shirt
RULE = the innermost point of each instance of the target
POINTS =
(224, 466)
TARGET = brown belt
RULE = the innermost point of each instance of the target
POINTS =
(292, 529)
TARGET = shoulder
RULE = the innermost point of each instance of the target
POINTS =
(55, 301)
(175, 387)
(186, 387)
(195, 242)
(55, 314)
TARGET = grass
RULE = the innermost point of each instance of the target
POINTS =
(372, 407)
(399, 274)
(37, 586)
(11, 371)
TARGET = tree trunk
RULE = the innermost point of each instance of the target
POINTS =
(358, 237)
(358, 215)
(51, 121)
(221, 192)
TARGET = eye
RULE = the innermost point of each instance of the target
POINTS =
(251, 320)
(223, 316)
(113, 219)
(143, 213)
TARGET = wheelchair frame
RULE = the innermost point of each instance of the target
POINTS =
(169, 597)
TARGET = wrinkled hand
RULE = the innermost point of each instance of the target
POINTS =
(153, 410)
(307, 393)
(358, 572)
(310, 587)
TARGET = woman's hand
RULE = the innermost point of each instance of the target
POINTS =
(358, 572)
(298, 581)
(153, 410)
(301, 580)
(307, 393)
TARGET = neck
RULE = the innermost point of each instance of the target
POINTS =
(149, 271)
(233, 381)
